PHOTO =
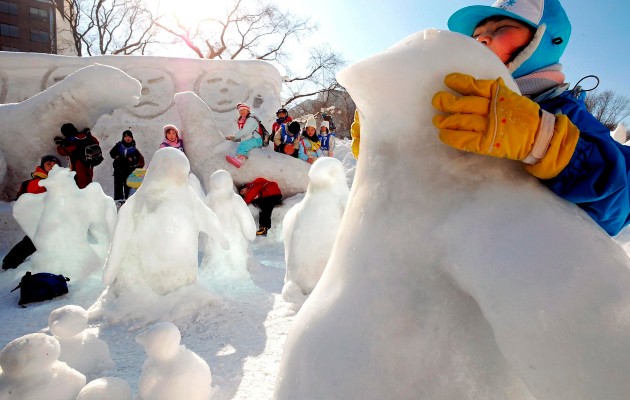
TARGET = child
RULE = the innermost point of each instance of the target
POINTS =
(171, 138)
(286, 139)
(126, 158)
(309, 143)
(282, 121)
(571, 152)
(265, 195)
(71, 145)
(25, 248)
(327, 139)
(247, 135)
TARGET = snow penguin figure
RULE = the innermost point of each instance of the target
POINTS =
(171, 371)
(456, 276)
(154, 250)
(81, 347)
(71, 228)
(313, 222)
(30, 369)
(238, 225)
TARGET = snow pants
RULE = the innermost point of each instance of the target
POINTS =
(266, 205)
(246, 146)
(18, 253)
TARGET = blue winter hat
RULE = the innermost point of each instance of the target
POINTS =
(553, 29)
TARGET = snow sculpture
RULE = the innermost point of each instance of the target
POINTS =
(206, 148)
(171, 371)
(457, 276)
(154, 250)
(238, 225)
(310, 227)
(80, 99)
(71, 228)
(81, 348)
(106, 388)
(620, 134)
(30, 370)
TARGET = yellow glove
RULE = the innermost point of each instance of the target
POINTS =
(355, 132)
(491, 119)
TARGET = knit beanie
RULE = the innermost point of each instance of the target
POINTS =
(243, 105)
(69, 130)
(49, 157)
(127, 133)
(310, 122)
(325, 124)
(170, 126)
(294, 127)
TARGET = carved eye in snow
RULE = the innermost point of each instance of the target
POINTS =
(221, 89)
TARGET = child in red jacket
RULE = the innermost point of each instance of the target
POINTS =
(265, 195)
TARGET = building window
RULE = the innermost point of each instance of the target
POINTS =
(39, 14)
(9, 30)
(40, 36)
(9, 48)
(6, 7)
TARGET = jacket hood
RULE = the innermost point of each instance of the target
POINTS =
(552, 25)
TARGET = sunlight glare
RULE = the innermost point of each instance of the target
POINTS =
(190, 12)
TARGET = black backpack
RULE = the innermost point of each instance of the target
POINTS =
(91, 154)
(41, 286)
(264, 133)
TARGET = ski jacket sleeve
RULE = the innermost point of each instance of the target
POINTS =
(597, 176)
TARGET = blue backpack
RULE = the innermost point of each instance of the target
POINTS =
(40, 287)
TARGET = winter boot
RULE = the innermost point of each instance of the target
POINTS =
(236, 161)
(262, 231)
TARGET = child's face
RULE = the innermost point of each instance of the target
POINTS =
(503, 37)
(243, 191)
(310, 131)
(127, 139)
(171, 135)
(48, 165)
(322, 130)
(243, 112)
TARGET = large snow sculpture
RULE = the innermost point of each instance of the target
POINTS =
(457, 276)
(71, 228)
(310, 228)
(81, 98)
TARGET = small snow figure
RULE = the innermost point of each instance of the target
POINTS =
(71, 228)
(238, 225)
(171, 371)
(154, 250)
(310, 227)
(30, 370)
(81, 348)
(106, 388)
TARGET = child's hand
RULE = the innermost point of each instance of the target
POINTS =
(229, 138)
(491, 119)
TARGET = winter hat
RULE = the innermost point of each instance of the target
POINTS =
(325, 124)
(243, 105)
(310, 122)
(294, 127)
(553, 29)
(282, 110)
(127, 133)
(171, 126)
(49, 157)
(69, 130)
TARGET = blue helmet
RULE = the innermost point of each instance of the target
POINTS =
(552, 25)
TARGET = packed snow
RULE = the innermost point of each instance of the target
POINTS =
(451, 275)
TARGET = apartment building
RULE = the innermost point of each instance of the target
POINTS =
(28, 26)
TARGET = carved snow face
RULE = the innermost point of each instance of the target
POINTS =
(221, 89)
(158, 89)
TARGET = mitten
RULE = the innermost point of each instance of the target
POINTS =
(491, 119)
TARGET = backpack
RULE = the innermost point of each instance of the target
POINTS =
(262, 131)
(91, 154)
(41, 286)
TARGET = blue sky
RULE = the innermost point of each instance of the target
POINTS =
(598, 45)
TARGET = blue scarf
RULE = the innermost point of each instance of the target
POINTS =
(126, 150)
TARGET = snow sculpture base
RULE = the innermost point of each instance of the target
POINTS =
(457, 276)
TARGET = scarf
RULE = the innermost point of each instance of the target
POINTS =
(241, 122)
(541, 80)
(315, 145)
(178, 144)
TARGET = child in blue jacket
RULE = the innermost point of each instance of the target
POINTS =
(547, 127)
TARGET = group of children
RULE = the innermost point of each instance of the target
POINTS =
(287, 138)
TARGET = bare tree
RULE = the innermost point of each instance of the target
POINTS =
(107, 26)
(260, 31)
(608, 107)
